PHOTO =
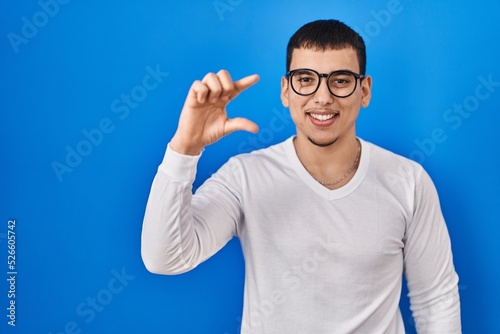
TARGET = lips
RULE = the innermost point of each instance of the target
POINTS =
(323, 119)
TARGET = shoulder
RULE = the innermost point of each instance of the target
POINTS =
(273, 154)
(398, 174)
(383, 160)
(399, 177)
(262, 165)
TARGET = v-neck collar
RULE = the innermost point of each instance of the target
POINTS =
(321, 190)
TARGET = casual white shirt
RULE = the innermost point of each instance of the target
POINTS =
(316, 260)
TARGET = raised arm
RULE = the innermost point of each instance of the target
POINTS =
(180, 232)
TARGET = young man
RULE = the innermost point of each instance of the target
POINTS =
(328, 222)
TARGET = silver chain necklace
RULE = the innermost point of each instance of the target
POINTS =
(356, 161)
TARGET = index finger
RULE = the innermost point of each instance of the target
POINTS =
(245, 83)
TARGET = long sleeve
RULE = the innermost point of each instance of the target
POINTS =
(430, 273)
(181, 230)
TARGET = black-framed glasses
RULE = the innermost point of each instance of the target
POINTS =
(305, 81)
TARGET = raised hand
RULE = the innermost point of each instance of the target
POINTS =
(203, 119)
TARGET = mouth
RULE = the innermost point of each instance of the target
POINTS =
(323, 119)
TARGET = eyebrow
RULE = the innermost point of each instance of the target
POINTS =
(343, 70)
(302, 70)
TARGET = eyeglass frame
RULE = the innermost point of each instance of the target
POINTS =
(327, 76)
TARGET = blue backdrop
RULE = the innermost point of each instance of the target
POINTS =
(90, 95)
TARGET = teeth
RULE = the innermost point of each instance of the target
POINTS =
(322, 117)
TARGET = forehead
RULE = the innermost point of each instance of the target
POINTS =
(325, 61)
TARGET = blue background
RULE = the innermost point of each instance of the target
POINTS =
(78, 233)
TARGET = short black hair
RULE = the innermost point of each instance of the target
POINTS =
(327, 34)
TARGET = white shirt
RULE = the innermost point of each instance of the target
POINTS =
(316, 260)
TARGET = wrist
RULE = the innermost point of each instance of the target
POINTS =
(182, 148)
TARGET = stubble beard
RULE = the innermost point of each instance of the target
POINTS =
(322, 144)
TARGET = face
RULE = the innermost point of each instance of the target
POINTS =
(322, 118)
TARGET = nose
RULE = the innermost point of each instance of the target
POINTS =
(323, 95)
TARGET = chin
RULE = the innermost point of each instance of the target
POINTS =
(322, 143)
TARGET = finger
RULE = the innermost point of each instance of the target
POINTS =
(227, 84)
(245, 83)
(199, 91)
(213, 83)
(240, 123)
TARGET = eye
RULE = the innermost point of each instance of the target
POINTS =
(341, 79)
(305, 77)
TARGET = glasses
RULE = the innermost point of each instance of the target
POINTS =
(305, 81)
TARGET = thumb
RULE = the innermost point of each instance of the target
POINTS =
(240, 123)
(245, 83)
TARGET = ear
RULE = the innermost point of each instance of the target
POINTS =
(366, 91)
(284, 92)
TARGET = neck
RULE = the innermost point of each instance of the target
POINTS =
(329, 163)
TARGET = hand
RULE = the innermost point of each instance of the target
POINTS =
(203, 119)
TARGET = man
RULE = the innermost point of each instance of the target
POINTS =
(328, 222)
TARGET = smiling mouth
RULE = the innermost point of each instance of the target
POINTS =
(323, 119)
